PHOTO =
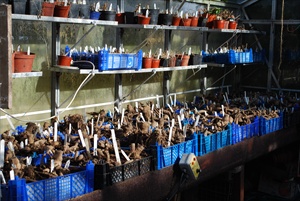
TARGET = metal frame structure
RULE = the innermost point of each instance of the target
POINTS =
(241, 4)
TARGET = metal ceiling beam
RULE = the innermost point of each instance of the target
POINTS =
(215, 3)
(248, 3)
(271, 47)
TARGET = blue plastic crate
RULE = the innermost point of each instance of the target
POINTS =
(4, 192)
(117, 61)
(206, 57)
(240, 133)
(167, 156)
(271, 125)
(214, 141)
(58, 188)
(259, 56)
(232, 57)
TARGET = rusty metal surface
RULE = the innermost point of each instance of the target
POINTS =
(157, 185)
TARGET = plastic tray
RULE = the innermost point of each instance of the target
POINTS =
(233, 57)
(240, 133)
(259, 56)
(167, 156)
(115, 61)
(214, 141)
(271, 125)
(106, 176)
(58, 188)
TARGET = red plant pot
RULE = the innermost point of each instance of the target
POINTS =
(210, 20)
(194, 21)
(183, 60)
(185, 22)
(176, 21)
(155, 63)
(64, 60)
(143, 19)
(48, 9)
(23, 62)
(232, 25)
(61, 11)
(219, 24)
(172, 62)
(147, 62)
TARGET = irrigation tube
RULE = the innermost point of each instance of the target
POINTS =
(41, 112)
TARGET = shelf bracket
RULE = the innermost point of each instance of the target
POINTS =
(194, 73)
(132, 91)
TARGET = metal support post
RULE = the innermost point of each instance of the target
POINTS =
(118, 91)
(54, 75)
(166, 87)
(271, 46)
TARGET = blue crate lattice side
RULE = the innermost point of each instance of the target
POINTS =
(58, 188)
(167, 156)
(270, 125)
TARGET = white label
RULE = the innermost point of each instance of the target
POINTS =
(55, 132)
(81, 138)
(52, 165)
(12, 175)
(125, 155)
(113, 136)
(95, 144)
(179, 121)
(170, 108)
(170, 136)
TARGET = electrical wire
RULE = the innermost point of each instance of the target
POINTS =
(83, 83)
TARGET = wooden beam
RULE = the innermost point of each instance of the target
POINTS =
(5, 57)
